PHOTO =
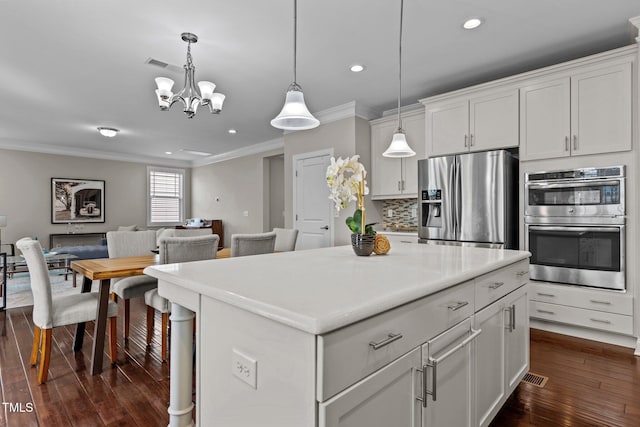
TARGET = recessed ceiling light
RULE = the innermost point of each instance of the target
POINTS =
(232, 131)
(108, 132)
(168, 152)
(472, 23)
(356, 68)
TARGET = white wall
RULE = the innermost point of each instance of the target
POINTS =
(276, 196)
(239, 186)
(347, 137)
(25, 192)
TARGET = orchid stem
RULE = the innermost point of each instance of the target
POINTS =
(361, 202)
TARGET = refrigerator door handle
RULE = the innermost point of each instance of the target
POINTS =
(457, 203)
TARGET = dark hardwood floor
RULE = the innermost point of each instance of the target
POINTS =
(590, 384)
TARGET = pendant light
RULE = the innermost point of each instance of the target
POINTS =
(294, 114)
(399, 146)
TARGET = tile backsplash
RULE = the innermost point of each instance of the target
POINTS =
(400, 213)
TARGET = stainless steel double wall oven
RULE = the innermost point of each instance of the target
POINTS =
(575, 226)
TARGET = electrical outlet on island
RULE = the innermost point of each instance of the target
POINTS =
(245, 368)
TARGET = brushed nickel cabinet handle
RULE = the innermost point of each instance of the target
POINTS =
(457, 306)
(470, 140)
(595, 301)
(545, 312)
(391, 338)
(608, 322)
(575, 142)
(566, 143)
(521, 273)
(496, 285)
(513, 317)
(545, 295)
(433, 362)
(465, 141)
(423, 394)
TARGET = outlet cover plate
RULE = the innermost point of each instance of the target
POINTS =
(245, 368)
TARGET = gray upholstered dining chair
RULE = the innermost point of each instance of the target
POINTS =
(50, 312)
(285, 239)
(174, 250)
(125, 244)
(252, 244)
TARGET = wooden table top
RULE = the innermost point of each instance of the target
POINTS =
(110, 268)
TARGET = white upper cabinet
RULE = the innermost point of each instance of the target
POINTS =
(586, 113)
(476, 122)
(392, 177)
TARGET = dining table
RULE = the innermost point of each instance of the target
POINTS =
(103, 270)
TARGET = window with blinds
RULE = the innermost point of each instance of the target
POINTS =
(166, 196)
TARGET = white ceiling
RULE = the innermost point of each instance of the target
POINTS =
(68, 66)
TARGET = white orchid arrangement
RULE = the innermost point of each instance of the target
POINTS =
(346, 179)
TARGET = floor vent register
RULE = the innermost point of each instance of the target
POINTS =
(535, 379)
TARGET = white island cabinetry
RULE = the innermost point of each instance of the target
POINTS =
(324, 338)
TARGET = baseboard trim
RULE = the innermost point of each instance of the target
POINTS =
(588, 334)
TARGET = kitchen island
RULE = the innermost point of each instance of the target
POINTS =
(323, 337)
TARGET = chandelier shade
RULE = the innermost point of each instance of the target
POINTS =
(190, 97)
(399, 146)
(294, 114)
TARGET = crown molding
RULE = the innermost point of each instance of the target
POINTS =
(344, 111)
(262, 147)
(635, 21)
(92, 154)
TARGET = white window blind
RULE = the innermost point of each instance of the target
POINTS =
(166, 191)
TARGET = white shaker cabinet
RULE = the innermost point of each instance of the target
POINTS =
(478, 122)
(502, 352)
(450, 370)
(393, 177)
(385, 398)
(589, 112)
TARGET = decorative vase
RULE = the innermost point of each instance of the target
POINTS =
(363, 243)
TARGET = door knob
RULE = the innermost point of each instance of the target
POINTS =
(326, 227)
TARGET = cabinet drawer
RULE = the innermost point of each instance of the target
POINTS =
(574, 296)
(348, 354)
(582, 317)
(493, 286)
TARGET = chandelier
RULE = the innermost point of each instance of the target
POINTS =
(189, 96)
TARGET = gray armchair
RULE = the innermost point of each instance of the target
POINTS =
(174, 250)
(252, 244)
(285, 239)
(50, 312)
(126, 244)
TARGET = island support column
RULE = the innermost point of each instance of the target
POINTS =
(180, 400)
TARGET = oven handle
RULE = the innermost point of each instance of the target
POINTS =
(576, 229)
(565, 184)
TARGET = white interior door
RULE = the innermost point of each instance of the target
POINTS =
(312, 207)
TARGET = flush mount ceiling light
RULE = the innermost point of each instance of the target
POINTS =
(399, 146)
(472, 23)
(356, 68)
(295, 115)
(232, 131)
(108, 132)
(189, 96)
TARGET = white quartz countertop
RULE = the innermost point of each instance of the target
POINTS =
(320, 290)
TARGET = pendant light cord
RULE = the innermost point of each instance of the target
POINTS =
(400, 65)
(295, 38)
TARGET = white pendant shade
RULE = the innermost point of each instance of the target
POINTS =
(206, 89)
(399, 147)
(294, 114)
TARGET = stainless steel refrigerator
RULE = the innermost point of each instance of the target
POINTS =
(469, 198)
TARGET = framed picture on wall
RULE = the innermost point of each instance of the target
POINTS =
(76, 200)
